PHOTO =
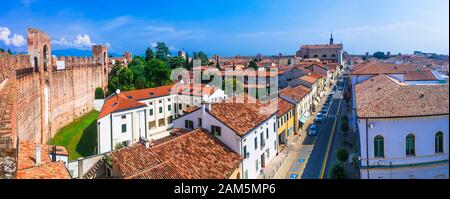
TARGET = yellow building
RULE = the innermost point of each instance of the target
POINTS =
(286, 120)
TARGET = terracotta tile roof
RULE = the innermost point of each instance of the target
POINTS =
(131, 160)
(149, 93)
(317, 75)
(283, 106)
(165, 170)
(309, 79)
(424, 75)
(197, 90)
(190, 109)
(375, 68)
(26, 168)
(118, 103)
(241, 113)
(52, 170)
(321, 46)
(382, 96)
(193, 155)
(295, 93)
(199, 155)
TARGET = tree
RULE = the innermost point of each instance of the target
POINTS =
(342, 155)
(157, 73)
(344, 126)
(203, 57)
(99, 94)
(176, 62)
(252, 64)
(148, 54)
(338, 172)
(217, 65)
(162, 51)
(238, 87)
(187, 64)
(123, 80)
(379, 55)
(9, 52)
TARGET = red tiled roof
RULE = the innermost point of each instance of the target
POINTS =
(193, 155)
(424, 75)
(26, 168)
(241, 113)
(118, 103)
(149, 93)
(308, 78)
(52, 170)
(382, 96)
(296, 93)
(283, 106)
(321, 46)
(316, 75)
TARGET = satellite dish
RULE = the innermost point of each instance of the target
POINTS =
(118, 91)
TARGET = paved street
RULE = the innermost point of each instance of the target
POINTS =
(307, 156)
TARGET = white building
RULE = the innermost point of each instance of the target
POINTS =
(403, 129)
(242, 127)
(146, 113)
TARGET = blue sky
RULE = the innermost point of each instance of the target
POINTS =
(231, 27)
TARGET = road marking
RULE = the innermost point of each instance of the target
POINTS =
(324, 163)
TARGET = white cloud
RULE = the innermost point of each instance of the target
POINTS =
(15, 40)
(159, 29)
(117, 22)
(81, 42)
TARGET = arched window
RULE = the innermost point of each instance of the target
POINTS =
(315, 56)
(306, 56)
(410, 145)
(379, 146)
(333, 55)
(36, 64)
(324, 55)
(439, 142)
(45, 57)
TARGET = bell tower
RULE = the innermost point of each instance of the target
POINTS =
(331, 39)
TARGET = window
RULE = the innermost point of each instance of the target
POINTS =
(245, 152)
(267, 133)
(199, 122)
(410, 145)
(439, 142)
(124, 117)
(257, 164)
(151, 112)
(216, 130)
(170, 119)
(180, 106)
(160, 109)
(169, 107)
(275, 145)
(124, 128)
(256, 142)
(188, 124)
(379, 146)
(274, 128)
(246, 174)
(262, 140)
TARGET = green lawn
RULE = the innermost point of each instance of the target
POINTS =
(79, 137)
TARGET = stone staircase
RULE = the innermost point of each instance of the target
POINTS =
(91, 174)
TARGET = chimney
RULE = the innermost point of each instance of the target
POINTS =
(38, 154)
(80, 168)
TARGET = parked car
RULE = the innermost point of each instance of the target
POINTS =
(312, 130)
(332, 92)
(324, 108)
(319, 117)
(340, 88)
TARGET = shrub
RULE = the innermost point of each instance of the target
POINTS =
(338, 172)
(342, 155)
(344, 118)
(344, 126)
(99, 94)
(119, 146)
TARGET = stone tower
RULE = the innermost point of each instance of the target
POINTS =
(39, 50)
(100, 55)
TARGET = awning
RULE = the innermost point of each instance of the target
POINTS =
(304, 117)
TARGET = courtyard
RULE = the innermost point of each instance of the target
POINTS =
(79, 137)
